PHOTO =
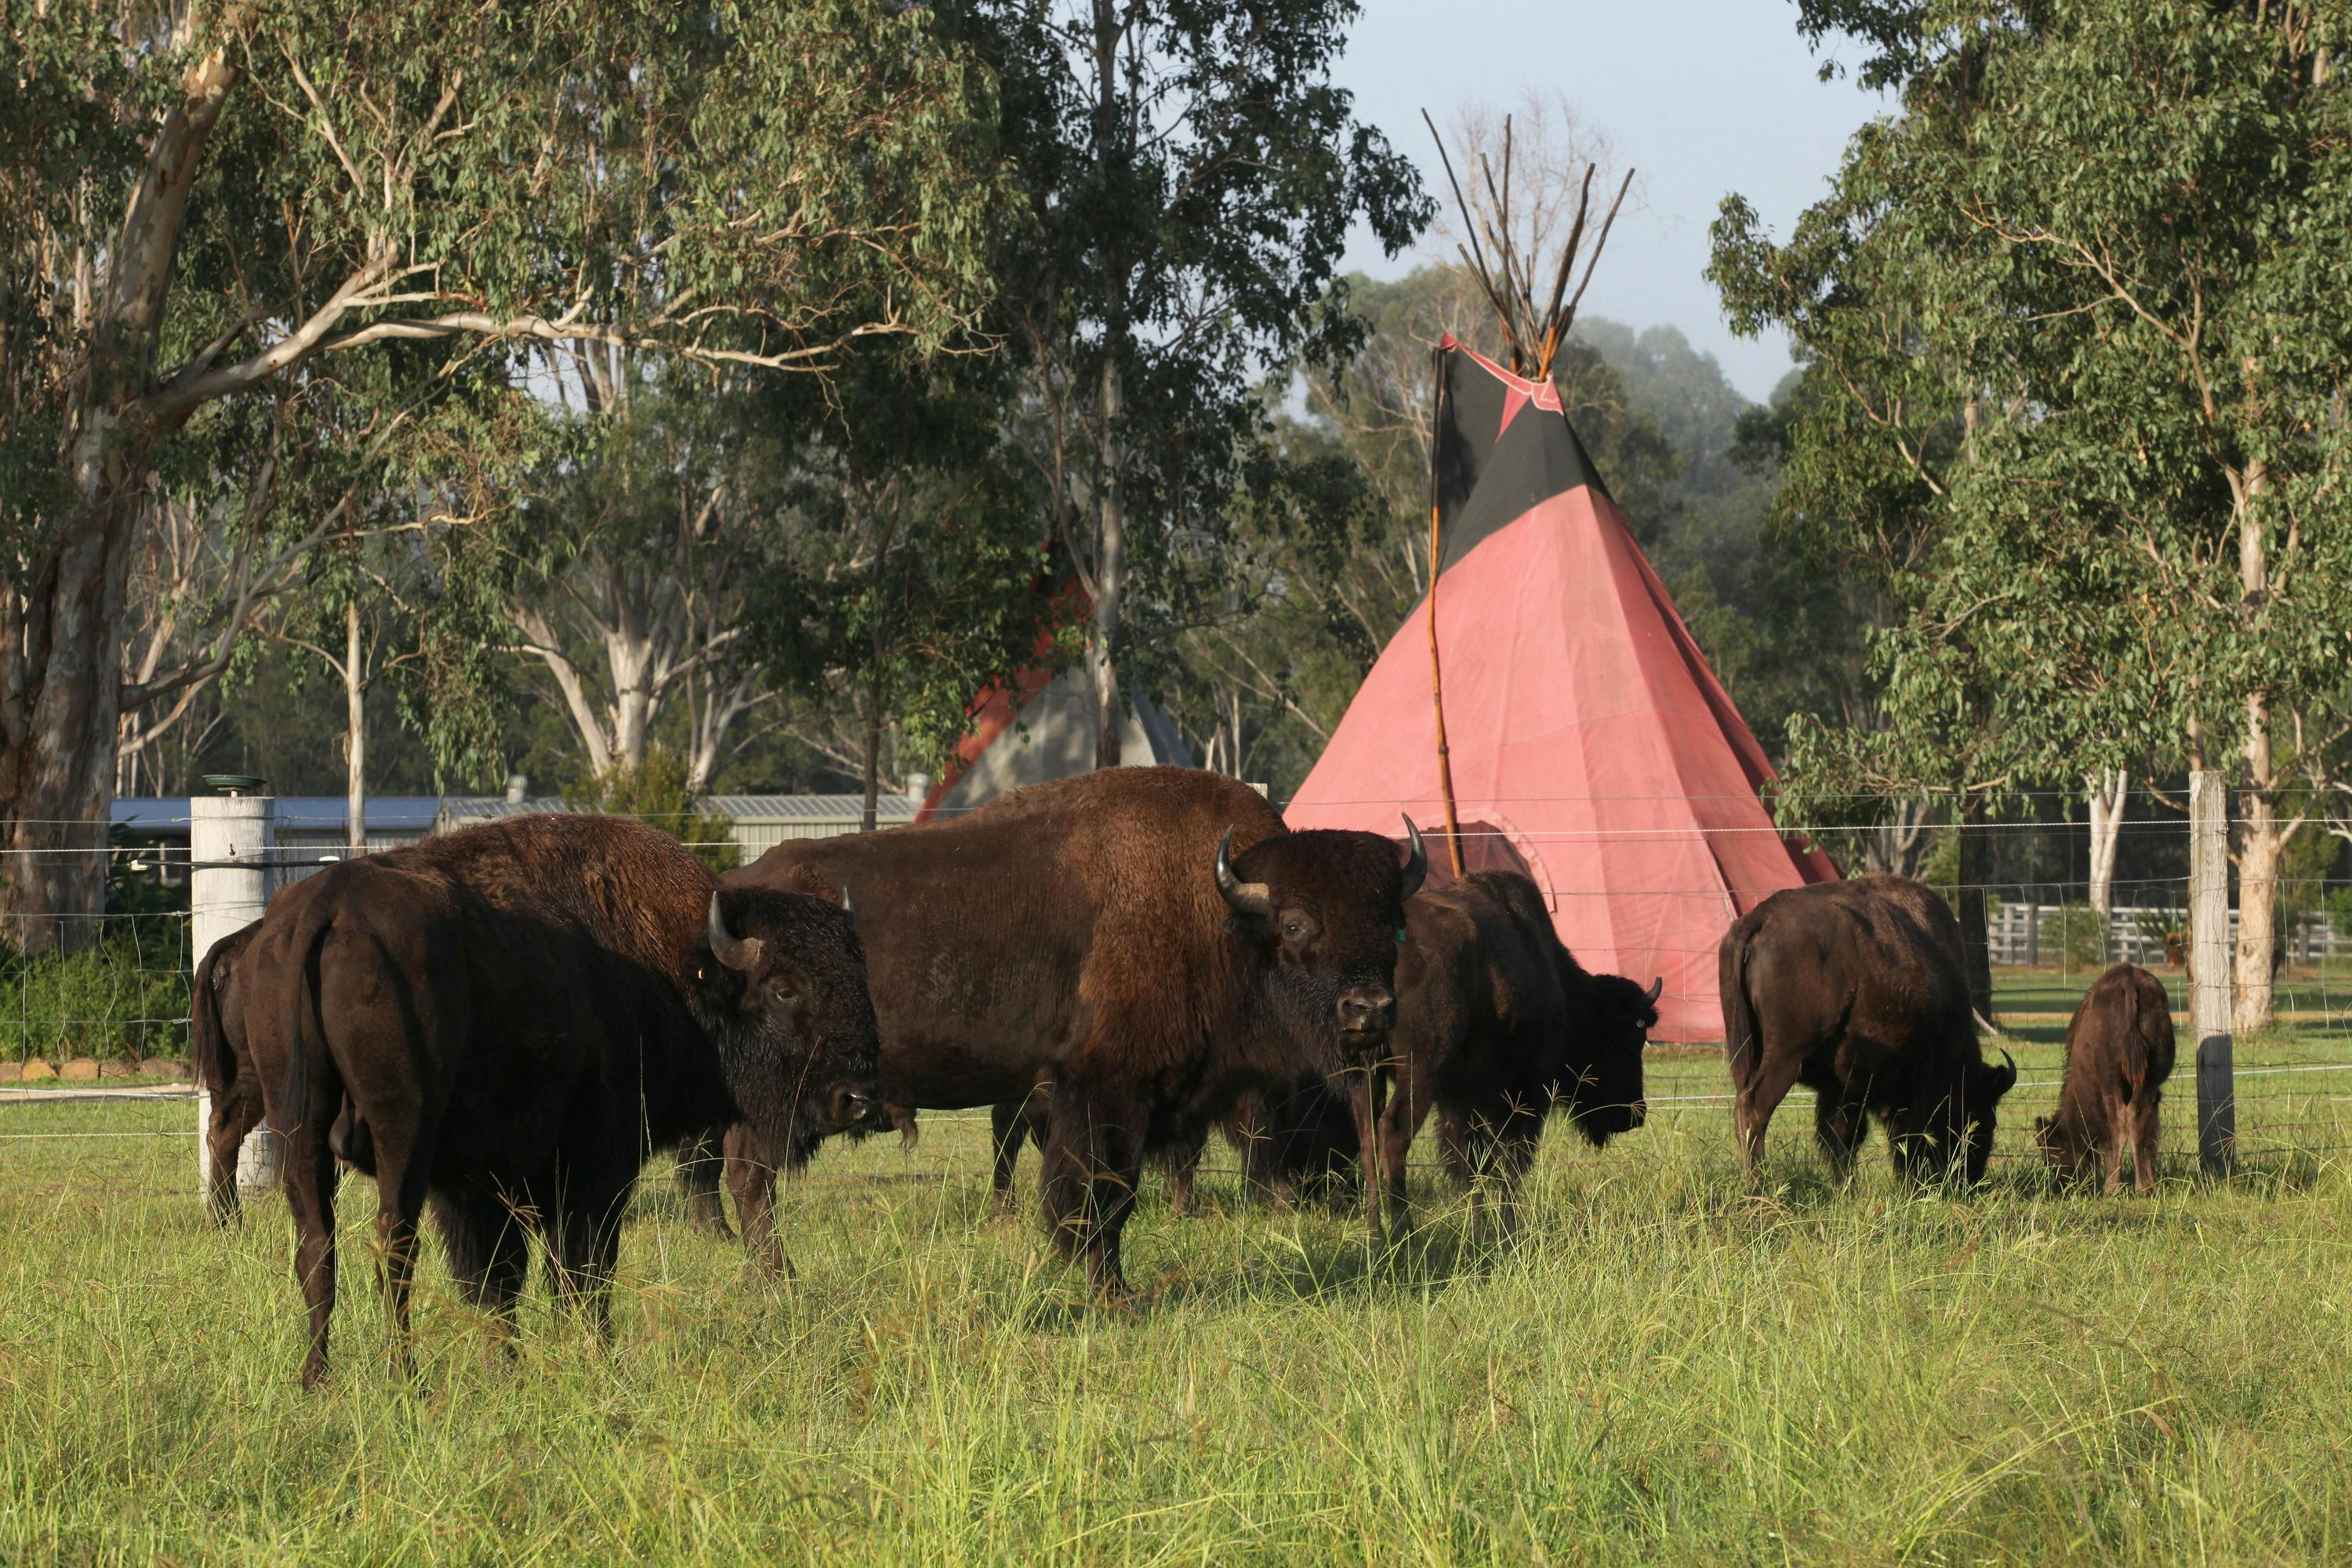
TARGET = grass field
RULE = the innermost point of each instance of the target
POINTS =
(1654, 1365)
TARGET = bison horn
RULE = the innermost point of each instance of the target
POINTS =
(2006, 1079)
(1247, 897)
(1416, 866)
(1657, 989)
(734, 952)
(848, 909)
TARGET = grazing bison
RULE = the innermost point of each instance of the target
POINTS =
(1855, 990)
(1498, 1027)
(1151, 940)
(216, 1052)
(2118, 1054)
(515, 1013)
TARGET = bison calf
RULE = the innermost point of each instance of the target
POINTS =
(2118, 1054)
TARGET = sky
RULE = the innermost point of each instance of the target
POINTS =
(1701, 97)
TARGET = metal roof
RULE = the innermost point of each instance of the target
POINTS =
(300, 813)
(737, 809)
(806, 807)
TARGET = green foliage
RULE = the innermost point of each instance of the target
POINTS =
(2066, 316)
(124, 998)
(655, 793)
(2078, 934)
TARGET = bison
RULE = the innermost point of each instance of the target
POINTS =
(2118, 1054)
(216, 1053)
(1856, 990)
(1154, 940)
(1498, 1027)
(515, 1013)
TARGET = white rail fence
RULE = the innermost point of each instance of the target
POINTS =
(2034, 935)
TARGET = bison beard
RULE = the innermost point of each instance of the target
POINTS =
(2119, 1050)
(1856, 990)
(1152, 941)
(504, 1019)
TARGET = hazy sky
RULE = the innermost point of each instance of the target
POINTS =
(1700, 97)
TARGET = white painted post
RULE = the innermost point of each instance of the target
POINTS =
(2209, 969)
(232, 841)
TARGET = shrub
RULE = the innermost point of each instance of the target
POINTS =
(125, 996)
(2078, 934)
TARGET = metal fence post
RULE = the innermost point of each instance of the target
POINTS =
(2209, 969)
(232, 841)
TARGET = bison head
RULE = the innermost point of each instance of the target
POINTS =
(1953, 1137)
(1327, 907)
(1605, 1055)
(785, 988)
(2063, 1147)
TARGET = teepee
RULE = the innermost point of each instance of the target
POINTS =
(1590, 745)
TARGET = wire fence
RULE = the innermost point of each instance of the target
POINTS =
(119, 1002)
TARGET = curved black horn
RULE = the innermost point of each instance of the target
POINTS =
(1416, 866)
(2007, 1076)
(1248, 898)
(734, 952)
(1657, 989)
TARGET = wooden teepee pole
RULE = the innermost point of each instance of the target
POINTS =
(1436, 676)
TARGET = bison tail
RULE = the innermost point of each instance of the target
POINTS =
(1739, 1032)
(310, 1093)
(209, 1054)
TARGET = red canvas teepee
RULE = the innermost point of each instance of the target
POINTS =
(1592, 747)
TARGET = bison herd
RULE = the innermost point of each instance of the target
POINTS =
(502, 1025)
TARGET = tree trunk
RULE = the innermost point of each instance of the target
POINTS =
(60, 681)
(1110, 538)
(2106, 791)
(1976, 939)
(2258, 846)
(868, 821)
(1895, 846)
(355, 732)
(1109, 564)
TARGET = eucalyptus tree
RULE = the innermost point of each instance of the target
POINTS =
(1191, 174)
(207, 201)
(2079, 305)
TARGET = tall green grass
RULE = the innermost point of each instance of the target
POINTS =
(1655, 1364)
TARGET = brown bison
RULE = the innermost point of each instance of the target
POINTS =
(2118, 1054)
(1855, 990)
(217, 1055)
(1498, 1027)
(1153, 940)
(515, 1013)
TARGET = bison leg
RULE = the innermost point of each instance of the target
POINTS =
(584, 1247)
(2144, 1145)
(400, 1204)
(1408, 1104)
(489, 1253)
(2121, 1143)
(1841, 1125)
(309, 1177)
(1008, 1124)
(236, 1111)
(699, 1164)
(1183, 1165)
(1093, 1162)
(1768, 1083)
(752, 1177)
(1364, 1105)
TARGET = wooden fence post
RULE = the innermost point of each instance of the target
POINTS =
(2209, 969)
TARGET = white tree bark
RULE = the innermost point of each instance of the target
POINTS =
(2106, 791)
